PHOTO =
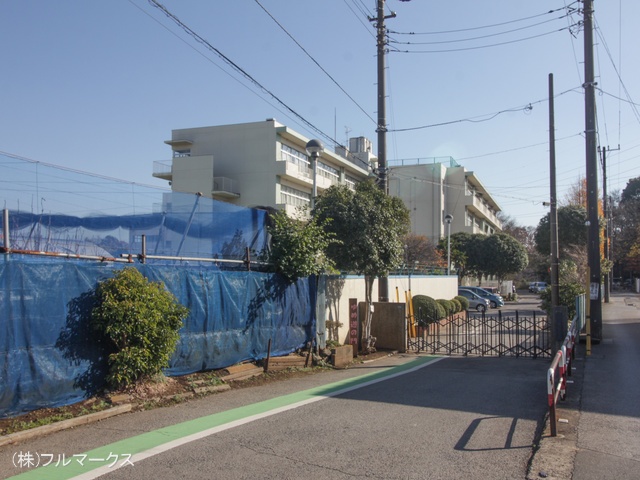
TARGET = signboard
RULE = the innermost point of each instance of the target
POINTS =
(594, 291)
(354, 325)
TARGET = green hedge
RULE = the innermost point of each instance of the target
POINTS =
(427, 310)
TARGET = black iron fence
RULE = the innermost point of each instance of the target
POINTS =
(516, 334)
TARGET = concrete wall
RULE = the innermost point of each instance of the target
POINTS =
(333, 300)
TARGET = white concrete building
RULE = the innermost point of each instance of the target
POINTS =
(435, 187)
(258, 164)
(266, 164)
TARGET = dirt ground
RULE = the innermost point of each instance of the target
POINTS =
(160, 392)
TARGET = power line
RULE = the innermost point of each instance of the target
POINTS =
(237, 68)
(469, 39)
(481, 118)
(315, 61)
(615, 68)
(451, 50)
(487, 26)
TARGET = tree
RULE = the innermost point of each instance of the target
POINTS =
(625, 229)
(503, 255)
(461, 252)
(631, 192)
(572, 230)
(298, 248)
(370, 226)
(420, 250)
(577, 194)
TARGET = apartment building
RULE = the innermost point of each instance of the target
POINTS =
(436, 187)
(258, 164)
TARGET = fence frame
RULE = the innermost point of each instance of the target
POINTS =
(562, 364)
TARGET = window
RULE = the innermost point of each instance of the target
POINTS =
(294, 156)
(350, 182)
(293, 196)
(182, 152)
(328, 172)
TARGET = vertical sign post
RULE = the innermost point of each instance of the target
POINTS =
(354, 325)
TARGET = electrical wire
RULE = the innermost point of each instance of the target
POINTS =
(238, 69)
(451, 50)
(469, 39)
(481, 118)
(315, 61)
(615, 68)
(486, 26)
(364, 13)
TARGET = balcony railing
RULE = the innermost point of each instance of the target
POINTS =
(225, 187)
(163, 169)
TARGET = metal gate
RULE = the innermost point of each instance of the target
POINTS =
(484, 335)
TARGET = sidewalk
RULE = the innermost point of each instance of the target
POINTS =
(599, 429)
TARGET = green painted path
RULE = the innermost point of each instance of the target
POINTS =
(102, 460)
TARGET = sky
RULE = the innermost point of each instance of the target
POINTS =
(99, 86)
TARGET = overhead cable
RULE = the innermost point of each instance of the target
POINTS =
(482, 118)
(487, 26)
(237, 68)
(450, 50)
(316, 62)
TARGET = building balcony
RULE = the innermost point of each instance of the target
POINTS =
(478, 207)
(224, 187)
(163, 169)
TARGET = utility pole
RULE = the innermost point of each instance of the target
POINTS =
(383, 282)
(559, 320)
(605, 208)
(593, 247)
(553, 213)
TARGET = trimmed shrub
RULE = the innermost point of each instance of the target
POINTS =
(456, 304)
(427, 310)
(449, 308)
(464, 302)
(139, 322)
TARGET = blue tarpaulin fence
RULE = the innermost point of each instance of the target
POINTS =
(46, 355)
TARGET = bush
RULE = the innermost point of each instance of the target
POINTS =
(568, 293)
(427, 310)
(447, 305)
(464, 302)
(139, 322)
(456, 304)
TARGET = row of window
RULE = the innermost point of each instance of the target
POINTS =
(301, 160)
(293, 196)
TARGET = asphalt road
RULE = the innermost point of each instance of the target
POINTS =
(471, 418)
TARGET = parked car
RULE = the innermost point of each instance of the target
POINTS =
(495, 300)
(475, 301)
(537, 287)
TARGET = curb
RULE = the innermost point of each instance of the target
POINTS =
(17, 437)
(64, 424)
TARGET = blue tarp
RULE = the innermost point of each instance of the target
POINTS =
(47, 358)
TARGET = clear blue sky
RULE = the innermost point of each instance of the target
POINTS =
(98, 86)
